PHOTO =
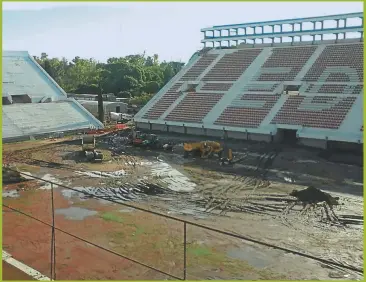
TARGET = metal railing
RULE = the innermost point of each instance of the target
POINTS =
(184, 223)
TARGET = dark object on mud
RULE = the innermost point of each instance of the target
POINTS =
(11, 176)
(150, 189)
(126, 192)
(88, 148)
(168, 146)
(312, 196)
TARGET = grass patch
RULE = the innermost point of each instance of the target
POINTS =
(139, 231)
(108, 216)
(116, 235)
(209, 258)
(199, 251)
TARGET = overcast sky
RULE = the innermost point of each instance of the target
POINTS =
(171, 30)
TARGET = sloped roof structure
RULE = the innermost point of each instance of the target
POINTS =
(34, 104)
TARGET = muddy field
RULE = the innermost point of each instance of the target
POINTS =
(247, 199)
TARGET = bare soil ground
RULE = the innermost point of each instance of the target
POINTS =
(246, 199)
(11, 273)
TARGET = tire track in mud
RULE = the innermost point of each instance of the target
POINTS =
(254, 203)
(225, 199)
(218, 197)
(118, 188)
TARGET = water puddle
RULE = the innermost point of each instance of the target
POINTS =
(351, 182)
(166, 181)
(174, 179)
(127, 210)
(289, 179)
(306, 162)
(27, 175)
(126, 192)
(138, 163)
(100, 174)
(190, 210)
(286, 177)
(75, 213)
(10, 194)
(253, 256)
(70, 193)
(47, 185)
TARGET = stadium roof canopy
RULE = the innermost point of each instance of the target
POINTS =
(34, 104)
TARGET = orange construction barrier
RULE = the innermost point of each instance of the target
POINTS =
(121, 126)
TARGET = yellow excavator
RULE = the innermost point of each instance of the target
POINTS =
(204, 149)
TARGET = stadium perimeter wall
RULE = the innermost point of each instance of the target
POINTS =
(219, 134)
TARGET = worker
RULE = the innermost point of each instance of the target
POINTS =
(227, 160)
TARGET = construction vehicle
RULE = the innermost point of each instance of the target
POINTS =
(88, 148)
(151, 141)
(204, 149)
(136, 137)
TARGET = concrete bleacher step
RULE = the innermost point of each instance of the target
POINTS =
(310, 62)
(236, 89)
(208, 69)
(354, 118)
(166, 87)
(349, 72)
(265, 85)
(172, 106)
(252, 104)
(267, 120)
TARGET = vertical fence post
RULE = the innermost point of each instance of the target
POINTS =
(53, 241)
(51, 277)
(185, 252)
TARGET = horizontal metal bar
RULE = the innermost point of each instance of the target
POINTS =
(284, 34)
(93, 244)
(286, 21)
(234, 235)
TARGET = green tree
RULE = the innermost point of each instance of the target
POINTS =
(132, 76)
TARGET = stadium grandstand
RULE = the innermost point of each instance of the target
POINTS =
(34, 104)
(259, 87)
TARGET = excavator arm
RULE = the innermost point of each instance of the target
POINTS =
(206, 152)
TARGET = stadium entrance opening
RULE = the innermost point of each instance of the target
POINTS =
(291, 89)
(287, 136)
